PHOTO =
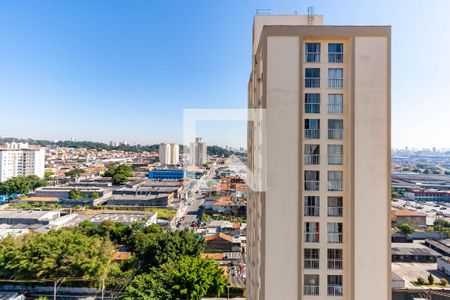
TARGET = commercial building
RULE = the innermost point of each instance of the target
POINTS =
(159, 200)
(198, 151)
(428, 195)
(169, 154)
(13, 217)
(319, 161)
(19, 159)
(124, 217)
(159, 174)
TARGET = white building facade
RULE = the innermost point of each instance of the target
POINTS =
(169, 153)
(199, 154)
(18, 159)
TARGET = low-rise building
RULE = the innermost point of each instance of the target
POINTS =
(413, 252)
(28, 217)
(158, 200)
(428, 195)
(414, 218)
(125, 217)
(161, 174)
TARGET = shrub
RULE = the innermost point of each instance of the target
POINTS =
(420, 281)
(430, 279)
(444, 282)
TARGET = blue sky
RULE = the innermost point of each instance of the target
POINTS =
(125, 70)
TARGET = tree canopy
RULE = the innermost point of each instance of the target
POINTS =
(190, 278)
(119, 174)
(21, 185)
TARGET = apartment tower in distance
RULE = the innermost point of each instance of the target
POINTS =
(20, 159)
(319, 161)
(169, 154)
(198, 152)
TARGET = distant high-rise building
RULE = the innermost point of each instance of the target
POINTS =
(198, 151)
(169, 154)
(18, 159)
(319, 156)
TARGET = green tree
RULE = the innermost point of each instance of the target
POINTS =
(95, 195)
(76, 194)
(430, 279)
(75, 173)
(187, 278)
(21, 185)
(406, 228)
(119, 174)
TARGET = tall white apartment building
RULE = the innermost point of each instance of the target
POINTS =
(198, 151)
(18, 159)
(319, 161)
(169, 153)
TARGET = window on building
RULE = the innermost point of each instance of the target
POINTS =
(335, 285)
(335, 259)
(335, 154)
(335, 233)
(335, 206)
(311, 285)
(312, 154)
(335, 181)
(312, 206)
(312, 180)
(311, 258)
(335, 129)
(335, 52)
(312, 103)
(312, 128)
(312, 52)
(312, 232)
(335, 104)
(335, 78)
(312, 77)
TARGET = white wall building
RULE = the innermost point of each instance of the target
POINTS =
(199, 155)
(169, 154)
(19, 159)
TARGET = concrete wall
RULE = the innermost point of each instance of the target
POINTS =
(282, 202)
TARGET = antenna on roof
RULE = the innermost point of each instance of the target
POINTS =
(310, 15)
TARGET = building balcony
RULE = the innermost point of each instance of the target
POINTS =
(335, 134)
(335, 57)
(312, 82)
(312, 108)
(335, 264)
(311, 263)
(335, 159)
(335, 109)
(312, 134)
(312, 185)
(312, 159)
(335, 83)
(335, 238)
(335, 211)
(335, 290)
(312, 237)
(312, 57)
(335, 186)
(312, 211)
(311, 290)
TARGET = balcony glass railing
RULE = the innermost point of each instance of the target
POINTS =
(335, 109)
(312, 57)
(311, 290)
(335, 159)
(335, 83)
(335, 264)
(312, 108)
(312, 211)
(312, 82)
(312, 237)
(312, 134)
(335, 238)
(335, 185)
(335, 134)
(335, 211)
(335, 57)
(312, 159)
(335, 290)
(312, 263)
(312, 185)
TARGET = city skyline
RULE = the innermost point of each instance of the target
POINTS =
(101, 72)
